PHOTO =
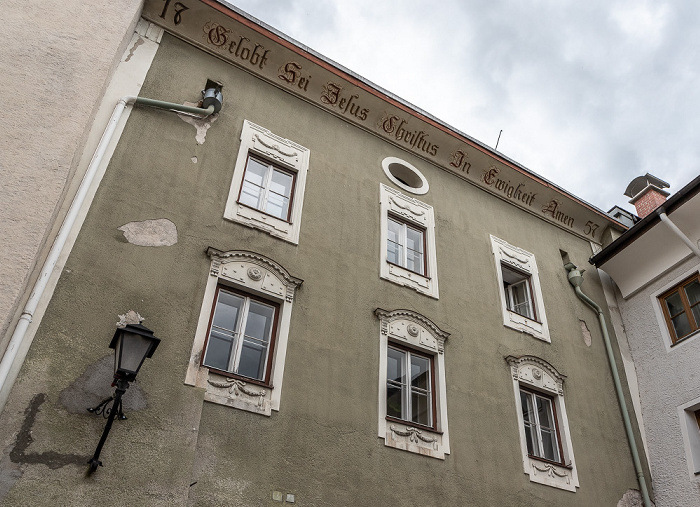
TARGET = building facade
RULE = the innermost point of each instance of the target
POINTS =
(655, 268)
(358, 304)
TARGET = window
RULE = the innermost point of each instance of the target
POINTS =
(405, 245)
(539, 420)
(520, 292)
(405, 175)
(240, 345)
(408, 254)
(681, 308)
(267, 188)
(690, 428)
(545, 440)
(412, 395)
(409, 386)
(269, 178)
(241, 335)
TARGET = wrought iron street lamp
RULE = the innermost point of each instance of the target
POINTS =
(132, 344)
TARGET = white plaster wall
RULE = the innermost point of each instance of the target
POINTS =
(55, 61)
(668, 379)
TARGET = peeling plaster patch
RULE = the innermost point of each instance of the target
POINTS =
(160, 232)
(93, 386)
(632, 498)
(133, 49)
(194, 160)
(201, 124)
(585, 332)
(51, 459)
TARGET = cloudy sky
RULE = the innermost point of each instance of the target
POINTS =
(588, 94)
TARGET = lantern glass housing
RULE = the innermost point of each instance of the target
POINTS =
(132, 344)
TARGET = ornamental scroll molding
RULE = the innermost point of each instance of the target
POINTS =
(275, 147)
(387, 317)
(218, 258)
(414, 435)
(406, 207)
(513, 255)
(552, 471)
(236, 387)
(538, 367)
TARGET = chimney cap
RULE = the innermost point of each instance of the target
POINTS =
(641, 182)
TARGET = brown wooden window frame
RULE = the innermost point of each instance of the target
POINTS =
(433, 404)
(687, 309)
(274, 167)
(265, 381)
(560, 448)
(415, 227)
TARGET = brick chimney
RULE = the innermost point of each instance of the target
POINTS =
(647, 193)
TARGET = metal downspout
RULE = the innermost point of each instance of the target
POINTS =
(576, 279)
(664, 218)
(25, 319)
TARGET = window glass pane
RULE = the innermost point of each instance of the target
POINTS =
(281, 183)
(696, 315)
(527, 406)
(255, 172)
(253, 358)
(415, 262)
(250, 195)
(394, 230)
(259, 322)
(227, 310)
(414, 239)
(681, 325)
(674, 303)
(693, 292)
(395, 366)
(544, 412)
(277, 205)
(420, 371)
(420, 408)
(530, 440)
(519, 299)
(394, 253)
(219, 348)
(549, 443)
(394, 397)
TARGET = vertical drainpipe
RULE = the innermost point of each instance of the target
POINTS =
(576, 279)
(212, 102)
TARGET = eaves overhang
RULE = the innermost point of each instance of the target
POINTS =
(226, 32)
(647, 223)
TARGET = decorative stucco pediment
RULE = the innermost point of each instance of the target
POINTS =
(536, 372)
(255, 271)
(412, 328)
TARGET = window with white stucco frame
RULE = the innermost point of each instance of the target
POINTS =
(408, 255)
(522, 305)
(690, 428)
(269, 179)
(240, 344)
(676, 308)
(545, 439)
(412, 390)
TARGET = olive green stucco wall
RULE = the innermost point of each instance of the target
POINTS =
(322, 445)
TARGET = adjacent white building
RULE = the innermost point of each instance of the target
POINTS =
(656, 269)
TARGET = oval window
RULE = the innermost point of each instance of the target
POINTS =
(405, 175)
